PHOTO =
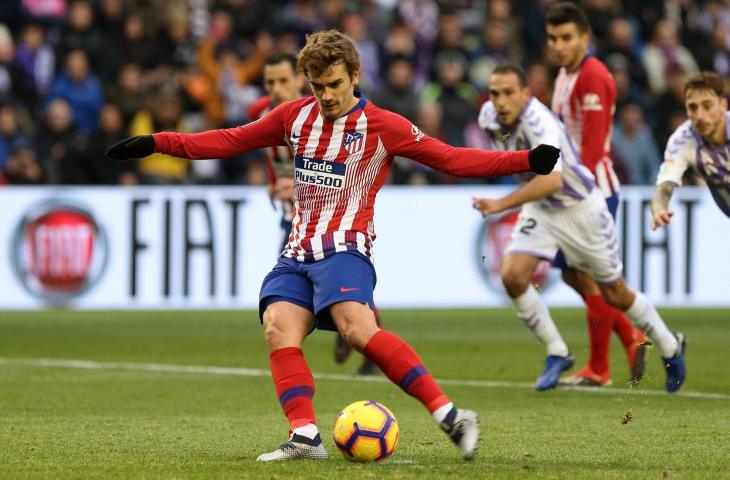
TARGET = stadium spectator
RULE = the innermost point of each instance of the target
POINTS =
(355, 27)
(22, 167)
(111, 130)
(533, 28)
(176, 47)
(670, 111)
(450, 42)
(82, 33)
(47, 12)
(163, 39)
(247, 16)
(540, 82)
(397, 94)
(63, 145)
(664, 55)
(128, 92)
(138, 47)
(634, 146)
(164, 114)
(720, 44)
(8, 72)
(35, 61)
(229, 78)
(495, 48)
(80, 88)
(456, 97)
(110, 22)
(628, 93)
(400, 42)
(621, 47)
(10, 131)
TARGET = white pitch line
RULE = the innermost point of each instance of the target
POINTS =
(256, 372)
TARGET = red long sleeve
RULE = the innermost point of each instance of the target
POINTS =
(227, 142)
(596, 94)
(406, 140)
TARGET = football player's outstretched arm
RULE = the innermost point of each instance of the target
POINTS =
(405, 139)
(660, 205)
(677, 157)
(536, 189)
(222, 143)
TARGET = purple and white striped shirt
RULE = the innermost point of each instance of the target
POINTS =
(686, 149)
(538, 124)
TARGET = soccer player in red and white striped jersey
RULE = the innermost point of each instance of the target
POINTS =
(343, 147)
(585, 99)
(283, 83)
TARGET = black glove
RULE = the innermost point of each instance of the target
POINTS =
(543, 158)
(133, 147)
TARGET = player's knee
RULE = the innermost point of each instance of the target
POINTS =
(356, 324)
(514, 282)
(273, 329)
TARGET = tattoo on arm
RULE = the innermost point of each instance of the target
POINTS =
(662, 195)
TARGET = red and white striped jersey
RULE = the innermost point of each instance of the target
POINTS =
(585, 100)
(339, 166)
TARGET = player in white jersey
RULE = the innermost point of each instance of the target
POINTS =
(701, 143)
(564, 210)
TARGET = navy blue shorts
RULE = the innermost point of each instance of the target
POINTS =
(612, 202)
(341, 277)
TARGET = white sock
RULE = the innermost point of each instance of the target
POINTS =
(309, 430)
(535, 315)
(643, 314)
(440, 413)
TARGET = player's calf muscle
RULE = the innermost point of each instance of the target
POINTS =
(618, 295)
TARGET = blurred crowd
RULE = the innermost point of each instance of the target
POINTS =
(78, 75)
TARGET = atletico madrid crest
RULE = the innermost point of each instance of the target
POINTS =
(353, 142)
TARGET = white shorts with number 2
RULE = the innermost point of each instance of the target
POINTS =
(585, 232)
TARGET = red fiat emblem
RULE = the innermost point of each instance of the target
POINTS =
(59, 250)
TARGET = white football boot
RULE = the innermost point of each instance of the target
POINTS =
(463, 428)
(297, 447)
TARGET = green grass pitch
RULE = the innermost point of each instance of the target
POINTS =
(126, 409)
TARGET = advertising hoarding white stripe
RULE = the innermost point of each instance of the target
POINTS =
(202, 247)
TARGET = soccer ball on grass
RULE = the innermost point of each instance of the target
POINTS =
(366, 431)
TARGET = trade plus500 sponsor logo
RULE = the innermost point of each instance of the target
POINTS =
(59, 251)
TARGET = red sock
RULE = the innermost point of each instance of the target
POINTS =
(402, 366)
(627, 332)
(294, 385)
(601, 318)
